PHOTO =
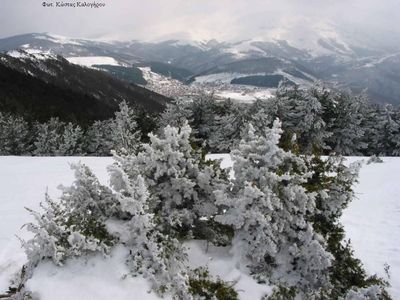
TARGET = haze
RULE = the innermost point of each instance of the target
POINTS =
(370, 22)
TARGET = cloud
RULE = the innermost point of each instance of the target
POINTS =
(375, 20)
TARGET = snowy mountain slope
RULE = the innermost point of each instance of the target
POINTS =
(47, 86)
(89, 61)
(371, 221)
(306, 53)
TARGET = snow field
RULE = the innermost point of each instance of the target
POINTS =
(371, 221)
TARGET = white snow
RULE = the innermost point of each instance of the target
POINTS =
(89, 61)
(222, 77)
(30, 53)
(55, 38)
(244, 48)
(372, 222)
(93, 279)
(246, 96)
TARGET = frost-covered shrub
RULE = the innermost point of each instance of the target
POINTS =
(71, 227)
(99, 138)
(282, 293)
(14, 135)
(332, 182)
(180, 182)
(124, 130)
(55, 137)
(202, 285)
(74, 225)
(374, 159)
(268, 208)
(158, 257)
(374, 292)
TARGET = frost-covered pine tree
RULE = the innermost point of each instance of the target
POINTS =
(202, 117)
(346, 124)
(14, 135)
(268, 208)
(374, 292)
(228, 128)
(159, 258)
(124, 129)
(55, 137)
(301, 114)
(180, 181)
(99, 138)
(74, 224)
(71, 140)
(176, 114)
(389, 130)
(48, 137)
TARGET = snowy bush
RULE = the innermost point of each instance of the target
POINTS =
(279, 214)
(58, 138)
(374, 292)
(268, 207)
(159, 258)
(203, 286)
(14, 135)
(74, 225)
(180, 182)
(332, 182)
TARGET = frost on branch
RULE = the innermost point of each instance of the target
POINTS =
(180, 182)
(74, 225)
(268, 207)
(158, 257)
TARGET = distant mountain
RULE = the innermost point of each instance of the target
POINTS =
(45, 85)
(302, 59)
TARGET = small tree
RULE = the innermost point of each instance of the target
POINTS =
(268, 207)
(71, 140)
(48, 137)
(159, 258)
(124, 131)
(99, 139)
(180, 181)
(72, 226)
(14, 135)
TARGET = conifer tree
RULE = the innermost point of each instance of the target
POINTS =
(14, 135)
(48, 137)
(268, 207)
(124, 131)
(99, 138)
(180, 181)
(159, 258)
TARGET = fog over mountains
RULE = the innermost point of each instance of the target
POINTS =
(255, 62)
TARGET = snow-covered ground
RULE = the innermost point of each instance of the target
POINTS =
(88, 61)
(372, 222)
(241, 96)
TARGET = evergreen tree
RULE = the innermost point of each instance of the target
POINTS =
(180, 181)
(99, 139)
(48, 137)
(228, 128)
(159, 258)
(72, 226)
(176, 114)
(346, 125)
(14, 135)
(301, 114)
(268, 207)
(71, 141)
(202, 117)
(124, 131)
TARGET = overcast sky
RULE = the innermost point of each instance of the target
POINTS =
(205, 19)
